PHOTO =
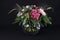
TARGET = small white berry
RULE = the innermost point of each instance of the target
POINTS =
(34, 5)
(23, 10)
(30, 8)
(27, 6)
(27, 25)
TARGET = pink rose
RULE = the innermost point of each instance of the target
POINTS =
(35, 14)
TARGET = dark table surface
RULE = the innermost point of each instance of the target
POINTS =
(13, 33)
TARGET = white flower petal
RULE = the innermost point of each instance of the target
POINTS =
(21, 13)
(23, 10)
(18, 14)
(38, 28)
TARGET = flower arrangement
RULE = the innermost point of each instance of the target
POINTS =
(32, 17)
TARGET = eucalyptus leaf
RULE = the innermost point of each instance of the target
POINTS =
(12, 10)
(46, 20)
(49, 8)
(19, 8)
(18, 19)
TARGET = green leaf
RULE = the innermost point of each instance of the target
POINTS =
(29, 29)
(18, 7)
(49, 8)
(40, 19)
(41, 24)
(26, 17)
(18, 19)
(46, 20)
(32, 6)
(33, 21)
(12, 10)
(45, 24)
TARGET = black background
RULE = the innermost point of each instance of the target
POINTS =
(10, 31)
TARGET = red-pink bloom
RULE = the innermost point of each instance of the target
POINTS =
(35, 14)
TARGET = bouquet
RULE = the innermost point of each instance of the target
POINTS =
(31, 17)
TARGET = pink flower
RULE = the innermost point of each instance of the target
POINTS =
(35, 14)
(42, 12)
